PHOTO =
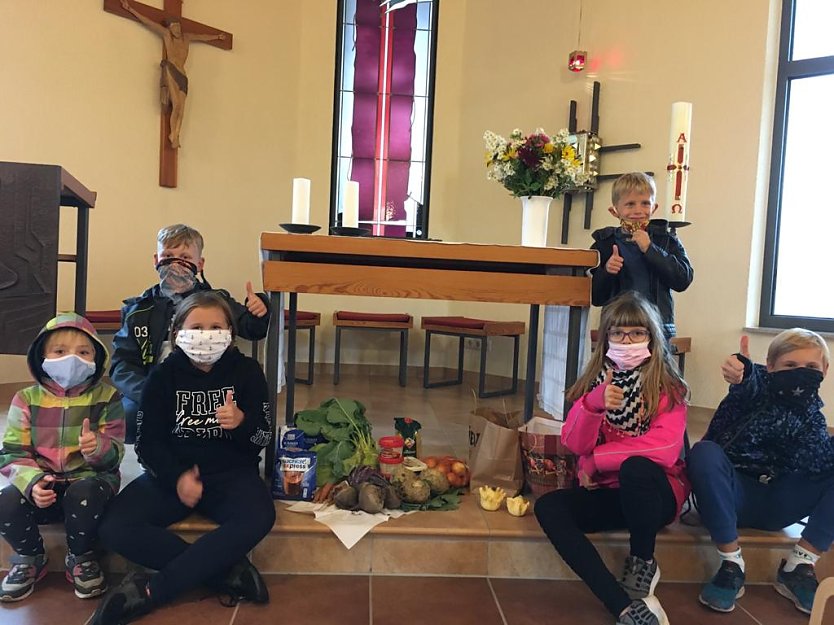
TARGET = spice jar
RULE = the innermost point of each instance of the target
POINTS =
(387, 464)
(391, 447)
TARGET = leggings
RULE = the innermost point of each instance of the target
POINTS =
(644, 503)
(136, 526)
(80, 505)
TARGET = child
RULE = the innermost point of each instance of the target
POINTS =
(626, 425)
(203, 420)
(61, 452)
(642, 255)
(766, 462)
(142, 341)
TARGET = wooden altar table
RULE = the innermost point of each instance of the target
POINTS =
(377, 267)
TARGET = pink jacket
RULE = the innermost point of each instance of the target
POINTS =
(662, 443)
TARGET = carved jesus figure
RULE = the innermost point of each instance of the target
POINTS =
(173, 82)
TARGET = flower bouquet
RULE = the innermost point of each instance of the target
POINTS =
(536, 164)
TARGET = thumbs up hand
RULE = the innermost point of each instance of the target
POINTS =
(641, 238)
(614, 395)
(87, 441)
(190, 487)
(615, 263)
(733, 369)
(229, 416)
(254, 304)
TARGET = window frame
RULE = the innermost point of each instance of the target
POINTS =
(787, 71)
(423, 224)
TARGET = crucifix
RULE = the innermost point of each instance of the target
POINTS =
(177, 33)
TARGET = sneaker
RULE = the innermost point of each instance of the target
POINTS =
(800, 585)
(639, 577)
(726, 586)
(646, 611)
(126, 602)
(243, 582)
(85, 574)
(20, 580)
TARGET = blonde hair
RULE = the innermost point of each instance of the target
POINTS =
(660, 372)
(637, 182)
(180, 234)
(794, 339)
(60, 333)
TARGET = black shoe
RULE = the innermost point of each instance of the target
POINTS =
(126, 602)
(243, 582)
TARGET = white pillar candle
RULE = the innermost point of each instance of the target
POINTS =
(677, 168)
(350, 206)
(300, 201)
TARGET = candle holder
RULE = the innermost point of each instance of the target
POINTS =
(300, 228)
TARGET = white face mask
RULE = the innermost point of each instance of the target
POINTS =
(68, 371)
(204, 347)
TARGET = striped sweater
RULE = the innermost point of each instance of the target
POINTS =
(45, 421)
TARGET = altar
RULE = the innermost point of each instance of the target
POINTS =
(377, 267)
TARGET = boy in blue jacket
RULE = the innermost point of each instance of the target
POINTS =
(766, 462)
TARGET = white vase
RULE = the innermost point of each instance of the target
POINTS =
(534, 212)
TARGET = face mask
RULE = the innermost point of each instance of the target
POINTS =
(795, 387)
(627, 356)
(176, 276)
(204, 347)
(68, 371)
(630, 227)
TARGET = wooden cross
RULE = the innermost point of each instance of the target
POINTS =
(174, 83)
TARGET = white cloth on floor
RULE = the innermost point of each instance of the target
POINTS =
(348, 526)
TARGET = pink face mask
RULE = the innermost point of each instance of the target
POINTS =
(627, 356)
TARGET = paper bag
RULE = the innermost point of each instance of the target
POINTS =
(548, 464)
(494, 450)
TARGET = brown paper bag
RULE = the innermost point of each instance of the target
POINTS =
(494, 450)
(548, 464)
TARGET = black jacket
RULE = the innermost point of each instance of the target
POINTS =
(667, 264)
(146, 321)
(177, 424)
(764, 438)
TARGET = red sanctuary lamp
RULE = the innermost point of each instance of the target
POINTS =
(576, 60)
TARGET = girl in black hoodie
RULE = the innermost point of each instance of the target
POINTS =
(202, 422)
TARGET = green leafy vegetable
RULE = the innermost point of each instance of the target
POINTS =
(342, 423)
(450, 500)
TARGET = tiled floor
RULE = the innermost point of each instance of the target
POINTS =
(380, 600)
(403, 600)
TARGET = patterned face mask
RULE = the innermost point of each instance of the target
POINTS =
(176, 276)
(630, 227)
(204, 347)
(795, 387)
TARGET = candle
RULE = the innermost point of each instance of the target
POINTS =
(350, 208)
(677, 168)
(300, 201)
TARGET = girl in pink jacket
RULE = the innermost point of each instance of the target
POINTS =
(626, 426)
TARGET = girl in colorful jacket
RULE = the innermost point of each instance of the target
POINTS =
(61, 452)
(627, 427)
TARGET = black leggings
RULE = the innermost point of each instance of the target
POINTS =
(80, 505)
(136, 527)
(643, 504)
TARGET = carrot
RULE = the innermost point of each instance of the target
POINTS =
(322, 493)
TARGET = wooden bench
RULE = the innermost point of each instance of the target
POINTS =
(379, 322)
(306, 320)
(480, 329)
(105, 321)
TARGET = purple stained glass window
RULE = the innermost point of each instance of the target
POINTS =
(383, 107)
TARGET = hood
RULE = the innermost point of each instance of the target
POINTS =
(66, 320)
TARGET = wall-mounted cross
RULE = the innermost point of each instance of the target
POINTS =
(177, 33)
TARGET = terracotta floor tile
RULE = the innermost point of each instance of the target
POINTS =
(536, 601)
(199, 607)
(771, 608)
(52, 602)
(433, 601)
(682, 606)
(311, 600)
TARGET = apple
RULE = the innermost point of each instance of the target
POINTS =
(458, 467)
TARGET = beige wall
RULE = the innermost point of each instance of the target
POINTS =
(84, 95)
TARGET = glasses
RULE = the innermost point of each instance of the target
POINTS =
(635, 336)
